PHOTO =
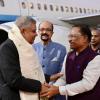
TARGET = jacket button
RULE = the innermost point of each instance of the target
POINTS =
(43, 65)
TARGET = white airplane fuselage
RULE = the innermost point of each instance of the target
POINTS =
(53, 10)
(56, 11)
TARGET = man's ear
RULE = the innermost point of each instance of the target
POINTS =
(22, 31)
(52, 33)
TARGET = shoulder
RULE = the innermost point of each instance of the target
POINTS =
(8, 46)
(58, 45)
(8, 43)
(71, 54)
(94, 64)
(95, 61)
(97, 58)
(36, 44)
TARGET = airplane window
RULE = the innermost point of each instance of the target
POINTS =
(67, 9)
(57, 8)
(45, 7)
(62, 9)
(51, 7)
(31, 5)
(71, 9)
(80, 10)
(84, 10)
(39, 6)
(23, 5)
(2, 3)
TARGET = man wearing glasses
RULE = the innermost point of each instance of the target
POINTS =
(51, 54)
(81, 79)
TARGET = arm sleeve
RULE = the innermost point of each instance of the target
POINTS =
(11, 72)
(63, 54)
(47, 78)
(90, 77)
(61, 81)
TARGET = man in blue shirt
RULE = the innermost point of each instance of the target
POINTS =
(51, 54)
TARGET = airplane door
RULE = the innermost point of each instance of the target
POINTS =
(24, 9)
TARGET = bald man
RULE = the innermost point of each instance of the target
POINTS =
(51, 54)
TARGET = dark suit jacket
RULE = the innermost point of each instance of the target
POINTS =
(11, 79)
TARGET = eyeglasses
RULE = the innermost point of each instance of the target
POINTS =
(45, 29)
(74, 36)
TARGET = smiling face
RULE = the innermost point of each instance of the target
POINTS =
(46, 31)
(29, 33)
(76, 39)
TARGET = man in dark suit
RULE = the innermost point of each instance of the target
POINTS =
(3, 36)
(17, 79)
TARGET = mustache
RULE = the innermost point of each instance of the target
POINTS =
(44, 34)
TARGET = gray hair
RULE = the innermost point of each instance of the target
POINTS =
(24, 21)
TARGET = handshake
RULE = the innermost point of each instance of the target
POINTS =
(50, 90)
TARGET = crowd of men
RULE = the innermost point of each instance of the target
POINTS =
(30, 71)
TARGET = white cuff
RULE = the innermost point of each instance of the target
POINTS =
(62, 90)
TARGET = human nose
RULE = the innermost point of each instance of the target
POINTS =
(69, 37)
(44, 31)
(93, 37)
(36, 34)
(69, 40)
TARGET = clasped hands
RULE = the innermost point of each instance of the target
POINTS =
(49, 90)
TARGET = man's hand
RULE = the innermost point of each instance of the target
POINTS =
(55, 76)
(44, 88)
(51, 91)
